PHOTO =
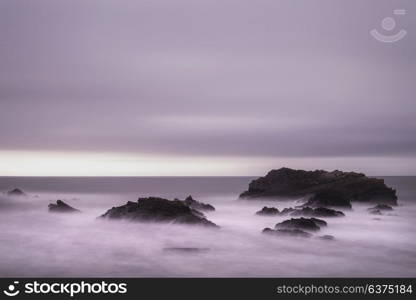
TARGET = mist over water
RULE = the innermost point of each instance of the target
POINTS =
(34, 242)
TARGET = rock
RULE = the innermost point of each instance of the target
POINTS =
(192, 203)
(158, 210)
(331, 198)
(301, 224)
(268, 211)
(327, 237)
(381, 207)
(286, 232)
(186, 249)
(287, 211)
(16, 192)
(316, 212)
(350, 186)
(62, 207)
(319, 222)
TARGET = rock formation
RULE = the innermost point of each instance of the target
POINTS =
(61, 207)
(346, 186)
(158, 210)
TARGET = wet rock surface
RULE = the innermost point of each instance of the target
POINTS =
(347, 186)
(268, 211)
(158, 210)
(61, 207)
(312, 212)
(192, 203)
(305, 224)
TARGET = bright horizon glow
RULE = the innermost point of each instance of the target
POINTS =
(28, 163)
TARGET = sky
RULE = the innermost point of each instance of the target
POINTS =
(205, 87)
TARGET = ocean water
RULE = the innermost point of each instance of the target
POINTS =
(34, 242)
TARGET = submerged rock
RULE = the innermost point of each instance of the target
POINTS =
(186, 249)
(287, 232)
(268, 211)
(192, 203)
(158, 210)
(327, 237)
(16, 192)
(62, 207)
(381, 207)
(314, 212)
(349, 186)
(311, 224)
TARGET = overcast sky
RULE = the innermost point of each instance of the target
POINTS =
(205, 87)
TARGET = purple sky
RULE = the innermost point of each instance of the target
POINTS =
(245, 86)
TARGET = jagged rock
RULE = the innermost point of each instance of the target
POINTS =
(287, 211)
(331, 198)
(301, 224)
(352, 186)
(327, 237)
(192, 203)
(16, 192)
(268, 211)
(286, 232)
(158, 210)
(186, 249)
(61, 207)
(315, 212)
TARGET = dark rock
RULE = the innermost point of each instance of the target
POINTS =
(61, 207)
(350, 186)
(299, 223)
(319, 222)
(381, 207)
(16, 192)
(268, 211)
(316, 212)
(286, 232)
(376, 212)
(287, 211)
(186, 249)
(327, 237)
(158, 210)
(331, 198)
(192, 203)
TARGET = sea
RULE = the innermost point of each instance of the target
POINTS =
(37, 243)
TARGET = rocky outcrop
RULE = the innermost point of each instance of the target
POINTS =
(16, 192)
(327, 237)
(192, 203)
(268, 211)
(307, 211)
(158, 210)
(305, 224)
(379, 209)
(348, 186)
(62, 207)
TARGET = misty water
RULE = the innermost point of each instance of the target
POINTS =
(34, 242)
